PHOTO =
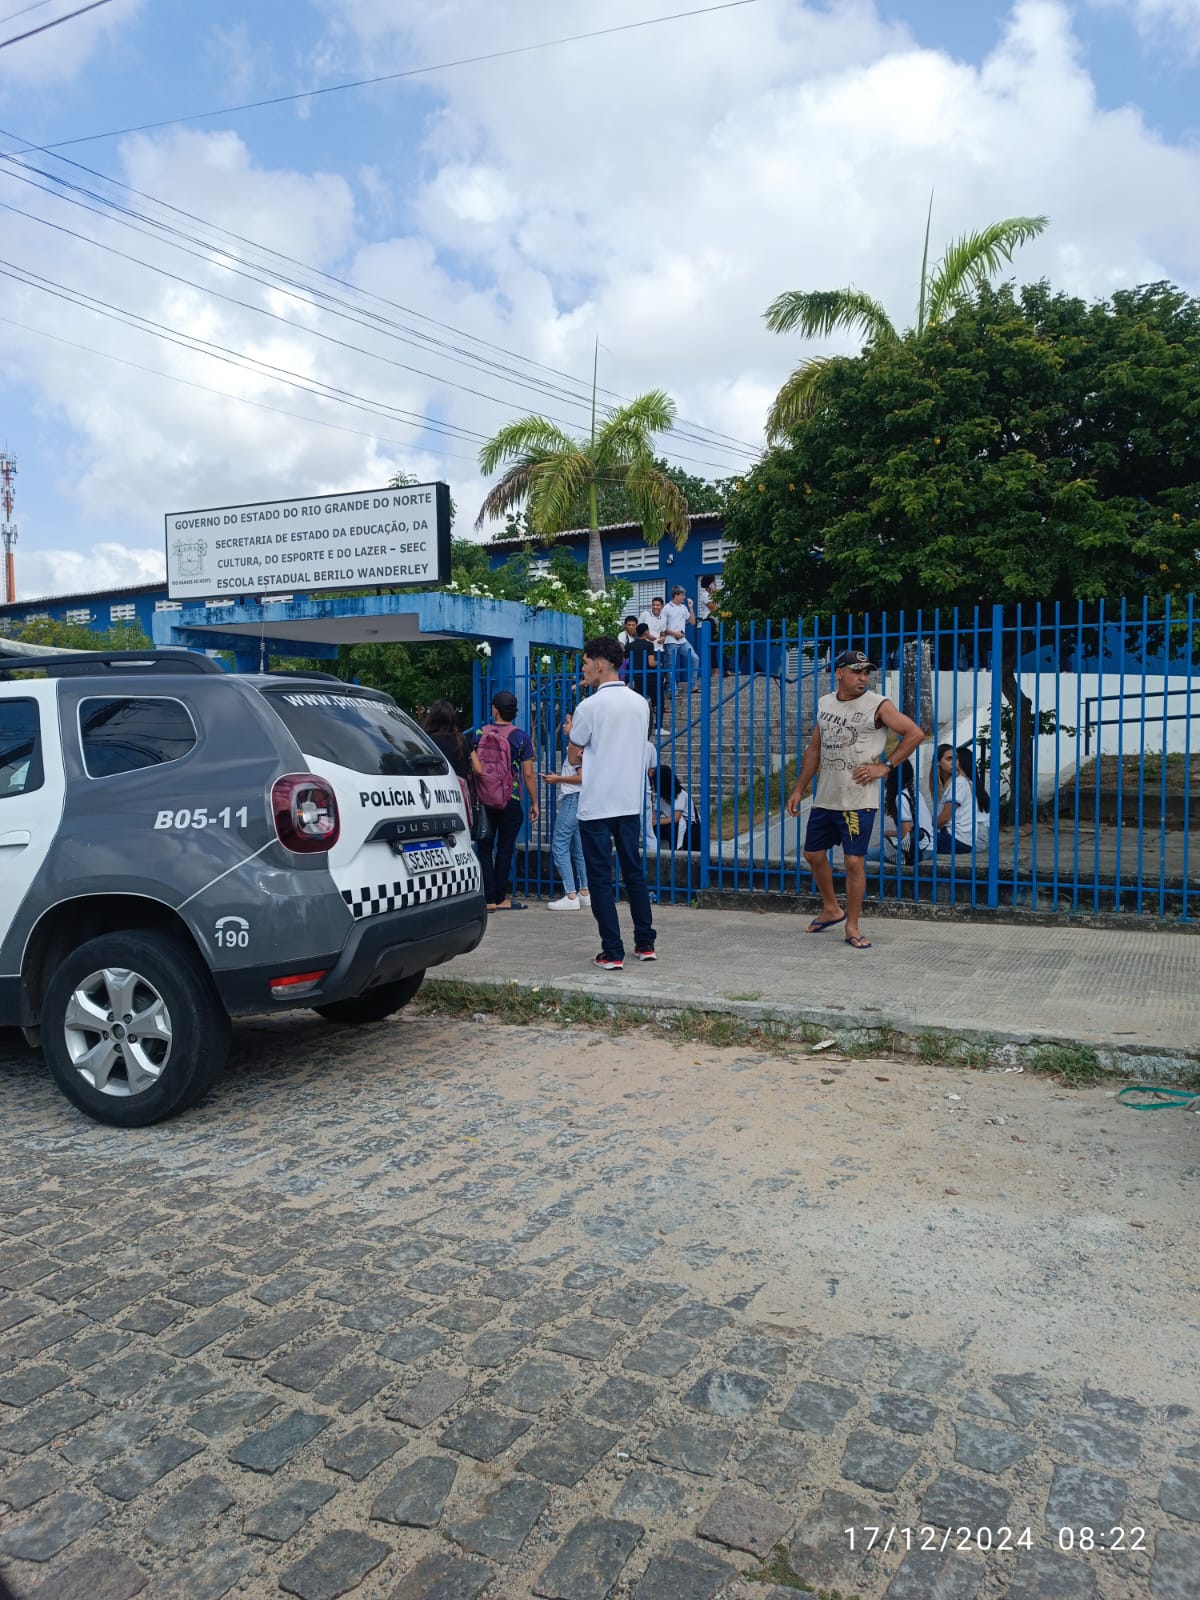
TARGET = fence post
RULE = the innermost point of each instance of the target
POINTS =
(995, 754)
(477, 693)
(706, 629)
(916, 675)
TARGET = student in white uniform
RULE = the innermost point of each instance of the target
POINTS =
(963, 818)
(907, 819)
(678, 819)
(609, 735)
(677, 647)
(653, 619)
(566, 848)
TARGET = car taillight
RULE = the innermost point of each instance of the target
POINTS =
(306, 813)
(299, 983)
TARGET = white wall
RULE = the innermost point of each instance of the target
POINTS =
(1066, 695)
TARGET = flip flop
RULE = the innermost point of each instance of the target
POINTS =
(820, 927)
(857, 942)
(517, 905)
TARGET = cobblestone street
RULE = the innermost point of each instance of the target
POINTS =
(440, 1309)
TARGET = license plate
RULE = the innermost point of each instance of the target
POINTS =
(425, 857)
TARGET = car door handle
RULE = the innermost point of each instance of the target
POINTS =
(16, 839)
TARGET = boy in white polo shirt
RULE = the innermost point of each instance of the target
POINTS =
(676, 645)
(609, 731)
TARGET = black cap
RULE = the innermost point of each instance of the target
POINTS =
(505, 702)
(853, 658)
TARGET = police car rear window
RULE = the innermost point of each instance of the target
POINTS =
(124, 734)
(349, 730)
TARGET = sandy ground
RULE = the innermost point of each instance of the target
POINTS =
(1028, 1226)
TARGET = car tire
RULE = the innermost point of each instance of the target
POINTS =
(373, 1005)
(121, 1077)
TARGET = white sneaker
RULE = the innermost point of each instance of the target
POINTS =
(565, 904)
(585, 898)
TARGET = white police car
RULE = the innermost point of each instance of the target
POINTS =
(179, 846)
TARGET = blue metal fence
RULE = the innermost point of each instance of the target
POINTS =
(1084, 725)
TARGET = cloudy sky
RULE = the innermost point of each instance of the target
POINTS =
(313, 295)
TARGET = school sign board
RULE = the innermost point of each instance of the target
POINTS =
(373, 538)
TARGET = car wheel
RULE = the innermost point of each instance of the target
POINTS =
(132, 1028)
(375, 1004)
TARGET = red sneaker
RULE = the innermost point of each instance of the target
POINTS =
(610, 963)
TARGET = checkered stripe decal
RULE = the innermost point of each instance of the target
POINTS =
(417, 891)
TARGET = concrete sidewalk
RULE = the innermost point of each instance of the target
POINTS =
(1127, 993)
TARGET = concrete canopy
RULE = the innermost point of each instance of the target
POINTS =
(316, 626)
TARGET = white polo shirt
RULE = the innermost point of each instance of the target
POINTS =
(654, 623)
(675, 617)
(612, 725)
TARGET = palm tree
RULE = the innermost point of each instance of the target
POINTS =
(969, 263)
(550, 472)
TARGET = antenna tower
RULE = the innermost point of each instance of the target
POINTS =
(8, 528)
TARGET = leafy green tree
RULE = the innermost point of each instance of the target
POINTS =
(77, 636)
(549, 472)
(1030, 447)
(404, 480)
(968, 266)
(414, 675)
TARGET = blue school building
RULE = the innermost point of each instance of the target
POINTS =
(651, 569)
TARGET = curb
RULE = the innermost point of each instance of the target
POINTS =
(972, 1046)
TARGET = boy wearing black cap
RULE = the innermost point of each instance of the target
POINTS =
(845, 754)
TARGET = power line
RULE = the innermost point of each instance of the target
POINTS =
(419, 337)
(244, 400)
(276, 316)
(407, 334)
(46, 26)
(317, 333)
(682, 429)
(262, 311)
(226, 394)
(385, 77)
(234, 358)
(24, 11)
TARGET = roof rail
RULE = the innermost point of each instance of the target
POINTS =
(112, 663)
(300, 672)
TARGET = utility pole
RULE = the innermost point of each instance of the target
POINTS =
(8, 529)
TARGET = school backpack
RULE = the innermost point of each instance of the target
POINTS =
(495, 754)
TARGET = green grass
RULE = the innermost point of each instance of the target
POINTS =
(512, 1003)
(948, 1049)
(1130, 768)
(777, 1569)
(1073, 1064)
(881, 1041)
(764, 791)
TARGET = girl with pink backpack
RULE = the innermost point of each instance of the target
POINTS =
(505, 756)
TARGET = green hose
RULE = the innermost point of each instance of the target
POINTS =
(1159, 1099)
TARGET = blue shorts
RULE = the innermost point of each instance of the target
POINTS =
(850, 829)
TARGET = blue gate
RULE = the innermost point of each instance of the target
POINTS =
(1081, 727)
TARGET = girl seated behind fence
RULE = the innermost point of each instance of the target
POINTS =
(963, 811)
(678, 820)
(907, 819)
(565, 844)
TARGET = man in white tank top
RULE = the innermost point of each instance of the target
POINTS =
(845, 754)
